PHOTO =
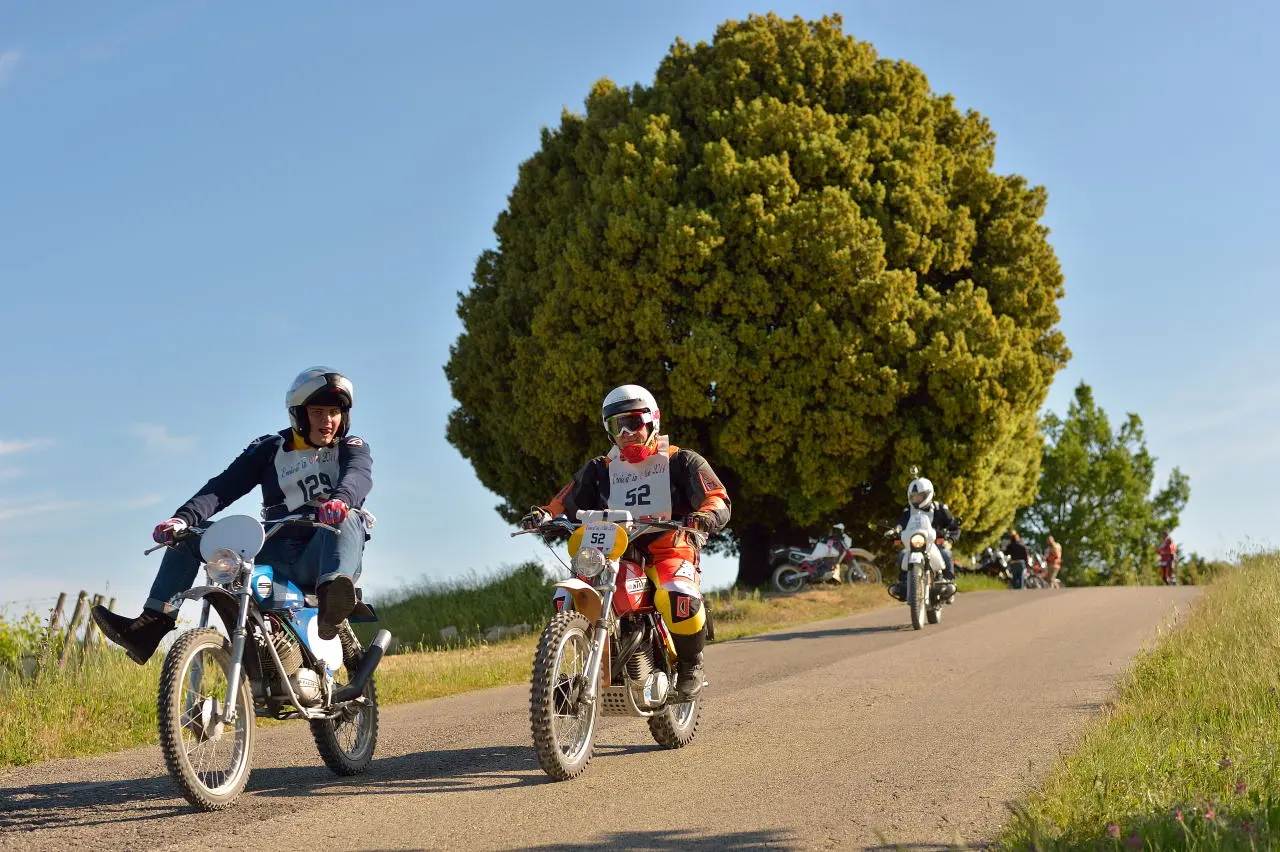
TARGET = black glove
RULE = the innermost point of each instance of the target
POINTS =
(703, 521)
(537, 517)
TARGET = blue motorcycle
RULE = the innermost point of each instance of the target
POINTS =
(271, 662)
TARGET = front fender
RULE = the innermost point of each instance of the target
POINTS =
(227, 606)
(586, 600)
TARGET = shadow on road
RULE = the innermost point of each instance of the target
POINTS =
(681, 839)
(49, 806)
(824, 634)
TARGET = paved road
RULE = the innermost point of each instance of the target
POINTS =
(800, 747)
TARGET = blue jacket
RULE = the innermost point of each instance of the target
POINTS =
(256, 467)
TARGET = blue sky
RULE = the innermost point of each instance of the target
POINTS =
(199, 199)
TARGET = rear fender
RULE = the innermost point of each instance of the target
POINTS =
(859, 553)
(227, 606)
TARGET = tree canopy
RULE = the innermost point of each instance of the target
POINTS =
(806, 256)
(1095, 495)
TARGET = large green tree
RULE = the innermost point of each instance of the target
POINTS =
(1096, 498)
(805, 254)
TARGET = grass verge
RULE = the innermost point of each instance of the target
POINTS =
(1187, 756)
(107, 703)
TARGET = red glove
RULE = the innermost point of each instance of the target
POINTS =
(164, 532)
(332, 512)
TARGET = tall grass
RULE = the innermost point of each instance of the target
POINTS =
(1188, 757)
(416, 614)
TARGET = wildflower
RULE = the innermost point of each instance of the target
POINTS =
(1209, 813)
(1241, 787)
(1225, 763)
(1177, 815)
(1134, 842)
(1113, 829)
(1247, 827)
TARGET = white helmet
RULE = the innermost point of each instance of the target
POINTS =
(920, 493)
(628, 398)
(319, 386)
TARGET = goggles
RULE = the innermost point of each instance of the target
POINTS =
(629, 421)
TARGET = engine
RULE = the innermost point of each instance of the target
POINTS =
(307, 684)
(649, 684)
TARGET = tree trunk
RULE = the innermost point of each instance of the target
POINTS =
(753, 556)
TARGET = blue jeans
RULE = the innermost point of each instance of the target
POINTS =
(307, 562)
(1017, 571)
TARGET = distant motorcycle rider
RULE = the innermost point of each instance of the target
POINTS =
(644, 474)
(920, 497)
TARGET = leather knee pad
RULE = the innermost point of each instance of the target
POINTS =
(681, 611)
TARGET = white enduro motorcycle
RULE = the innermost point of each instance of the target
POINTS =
(927, 591)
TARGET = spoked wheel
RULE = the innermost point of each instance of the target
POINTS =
(208, 758)
(916, 595)
(788, 579)
(346, 743)
(675, 725)
(862, 572)
(564, 726)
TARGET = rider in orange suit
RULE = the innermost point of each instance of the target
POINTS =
(654, 480)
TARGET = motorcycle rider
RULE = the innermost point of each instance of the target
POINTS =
(648, 476)
(314, 461)
(828, 548)
(920, 496)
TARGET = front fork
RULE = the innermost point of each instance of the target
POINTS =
(237, 654)
(599, 641)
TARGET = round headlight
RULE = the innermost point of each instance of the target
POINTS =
(223, 567)
(588, 563)
(917, 541)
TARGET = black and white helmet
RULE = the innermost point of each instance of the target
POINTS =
(920, 493)
(319, 386)
(625, 399)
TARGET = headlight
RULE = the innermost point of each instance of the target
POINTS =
(917, 541)
(588, 562)
(223, 567)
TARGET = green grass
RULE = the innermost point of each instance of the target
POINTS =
(979, 583)
(108, 703)
(1187, 757)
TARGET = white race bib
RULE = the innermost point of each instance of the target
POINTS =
(644, 488)
(306, 475)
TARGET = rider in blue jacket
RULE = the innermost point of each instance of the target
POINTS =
(316, 462)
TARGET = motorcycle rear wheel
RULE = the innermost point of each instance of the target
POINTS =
(346, 744)
(676, 725)
(191, 703)
(788, 579)
(563, 726)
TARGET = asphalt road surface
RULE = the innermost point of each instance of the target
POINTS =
(857, 733)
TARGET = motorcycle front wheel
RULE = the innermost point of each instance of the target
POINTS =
(916, 596)
(208, 758)
(346, 743)
(563, 725)
(788, 579)
(862, 572)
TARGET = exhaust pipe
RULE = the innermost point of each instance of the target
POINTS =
(369, 662)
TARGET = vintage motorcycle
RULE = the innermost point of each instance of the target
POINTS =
(606, 650)
(994, 563)
(833, 559)
(274, 664)
(926, 589)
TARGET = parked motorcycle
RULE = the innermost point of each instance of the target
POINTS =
(994, 563)
(606, 650)
(275, 665)
(835, 561)
(926, 590)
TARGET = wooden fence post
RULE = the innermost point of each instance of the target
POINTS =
(70, 636)
(90, 627)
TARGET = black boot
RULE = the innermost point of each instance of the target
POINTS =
(337, 600)
(138, 636)
(689, 674)
(899, 589)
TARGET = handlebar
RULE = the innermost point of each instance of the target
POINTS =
(563, 528)
(275, 524)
